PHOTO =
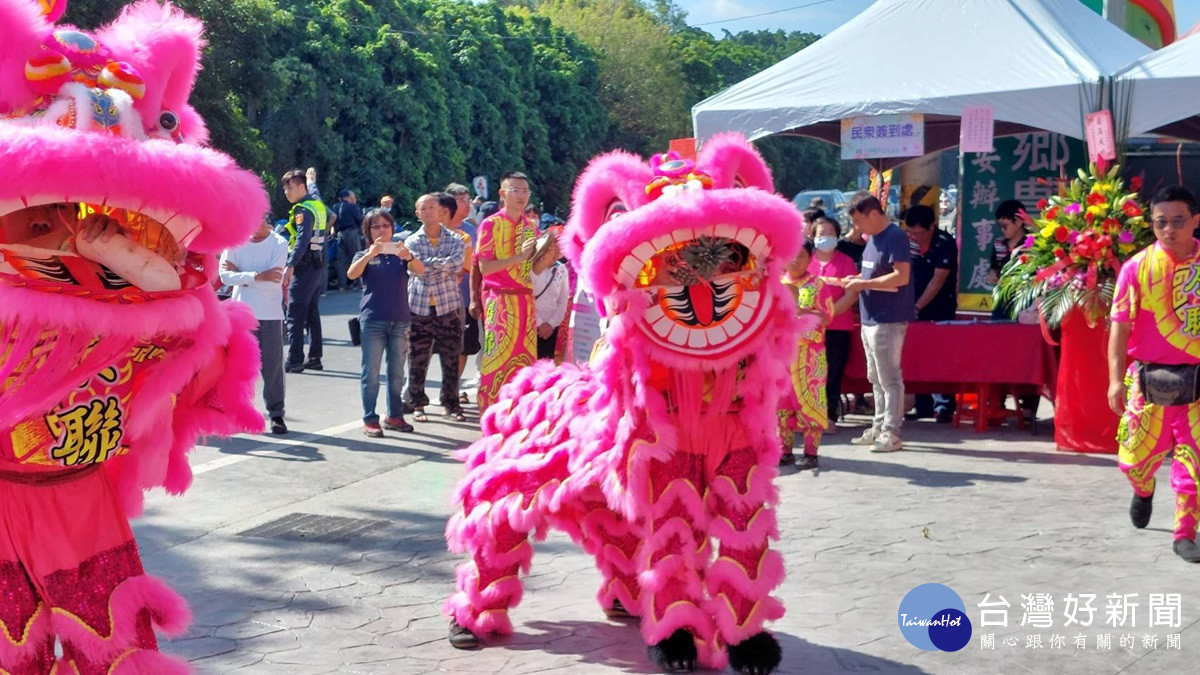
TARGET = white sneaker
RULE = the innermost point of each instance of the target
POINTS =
(867, 438)
(887, 442)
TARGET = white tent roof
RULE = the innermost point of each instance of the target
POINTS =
(1161, 91)
(1037, 63)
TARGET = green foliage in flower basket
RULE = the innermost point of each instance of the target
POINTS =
(1072, 258)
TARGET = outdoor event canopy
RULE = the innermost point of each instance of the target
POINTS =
(1161, 91)
(1039, 64)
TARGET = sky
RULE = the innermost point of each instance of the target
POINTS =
(820, 16)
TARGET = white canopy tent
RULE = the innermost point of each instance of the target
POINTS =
(1160, 92)
(1039, 64)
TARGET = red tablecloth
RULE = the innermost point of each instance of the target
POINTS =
(948, 357)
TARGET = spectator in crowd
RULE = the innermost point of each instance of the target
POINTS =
(852, 244)
(255, 272)
(507, 241)
(935, 282)
(886, 306)
(435, 299)
(551, 294)
(385, 318)
(385, 203)
(832, 267)
(1010, 216)
(347, 226)
(461, 224)
(1156, 394)
(804, 409)
(305, 272)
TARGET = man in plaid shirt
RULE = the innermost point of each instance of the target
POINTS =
(436, 304)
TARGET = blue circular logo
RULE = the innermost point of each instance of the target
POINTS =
(932, 617)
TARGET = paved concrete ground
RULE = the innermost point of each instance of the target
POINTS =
(999, 513)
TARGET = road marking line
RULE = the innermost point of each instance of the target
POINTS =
(222, 462)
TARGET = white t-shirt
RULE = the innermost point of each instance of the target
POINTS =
(586, 325)
(552, 291)
(265, 298)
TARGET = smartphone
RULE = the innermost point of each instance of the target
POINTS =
(392, 247)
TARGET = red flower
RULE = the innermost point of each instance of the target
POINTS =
(1061, 234)
(1095, 198)
(1042, 204)
(1111, 224)
(1135, 183)
(1059, 253)
(1132, 209)
(1051, 213)
(1023, 258)
(1089, 217)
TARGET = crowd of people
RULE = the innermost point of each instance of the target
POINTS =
(472, 278)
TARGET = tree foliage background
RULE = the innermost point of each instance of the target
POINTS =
(404, 96)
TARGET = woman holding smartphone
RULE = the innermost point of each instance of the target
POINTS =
(385, 318)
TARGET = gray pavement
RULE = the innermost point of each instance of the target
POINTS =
(322, 552)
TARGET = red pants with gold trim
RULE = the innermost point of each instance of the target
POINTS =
(69, 569)
(1146, 434)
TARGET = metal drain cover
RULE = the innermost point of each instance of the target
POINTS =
(312, 527)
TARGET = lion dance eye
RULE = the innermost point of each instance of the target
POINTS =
(168, 121)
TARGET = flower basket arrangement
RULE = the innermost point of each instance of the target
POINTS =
(1078, 244)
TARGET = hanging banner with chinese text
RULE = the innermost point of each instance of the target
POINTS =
(883, 136)
(1024, 167)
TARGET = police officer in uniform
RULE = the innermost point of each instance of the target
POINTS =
(305, 272)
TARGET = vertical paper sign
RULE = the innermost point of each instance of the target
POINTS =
(1100, 142)
(686, 147)
(976, 130)
(883, 136)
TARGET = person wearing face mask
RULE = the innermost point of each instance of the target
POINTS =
(831, 266)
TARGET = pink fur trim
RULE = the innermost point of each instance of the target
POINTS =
(617, 177)
(167, 609)
(50, 164)
(24, 30)
(12, 656)
(731, 161)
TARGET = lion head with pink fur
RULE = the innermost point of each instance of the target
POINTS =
(112, 213)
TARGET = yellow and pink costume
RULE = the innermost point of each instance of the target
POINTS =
(1160, 297)
(805, 409)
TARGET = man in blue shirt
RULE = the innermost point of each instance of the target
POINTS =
(435, 300)
(886, 306)
(347, 234)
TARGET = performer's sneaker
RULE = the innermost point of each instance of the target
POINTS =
(313, 364)
(806, 462)
(397, 424)
(1187, 549)
(462, 638)
(787, 459)
(293, 367)
(277, 426)
(1140, 509)
(617, 611)
(887, 442)
(867, 437)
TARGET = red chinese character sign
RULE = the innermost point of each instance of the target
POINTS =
(883, 136)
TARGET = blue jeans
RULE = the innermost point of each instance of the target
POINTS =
(379, 337)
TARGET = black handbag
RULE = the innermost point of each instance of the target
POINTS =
(355, 332)
(1163, 384)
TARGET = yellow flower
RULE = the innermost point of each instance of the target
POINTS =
(1048, 230)
(1099, 210)
(1125, 248)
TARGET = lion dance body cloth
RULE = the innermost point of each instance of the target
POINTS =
(114, 352)
(659, 456)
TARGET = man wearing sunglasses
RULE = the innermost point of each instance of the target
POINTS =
(1156, 328)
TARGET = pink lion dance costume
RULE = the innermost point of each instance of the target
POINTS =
(114, 352)
(667, 441)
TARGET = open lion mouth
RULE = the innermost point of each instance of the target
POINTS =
(96, 248)
(704, 284)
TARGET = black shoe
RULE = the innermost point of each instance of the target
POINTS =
(617, 611)
(313, 364)
(461, 638)
(1187, 549)
(806, 462)
(277, 426)
(787, 459)
(1140, 509)
(293, 367)
(943, 417)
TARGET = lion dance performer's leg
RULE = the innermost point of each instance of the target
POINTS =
(1143, 438)
(746, 570)
(612, 541)
(675, 551)
(78, 574)
(1185, 471)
